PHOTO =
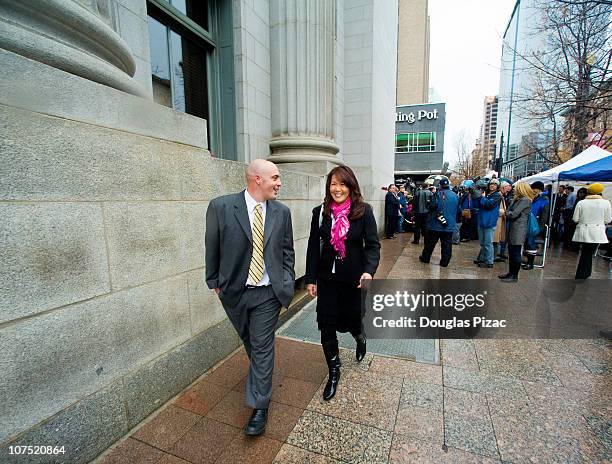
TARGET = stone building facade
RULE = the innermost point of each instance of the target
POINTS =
(106, 173)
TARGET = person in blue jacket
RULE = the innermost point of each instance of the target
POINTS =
(403, 205)
(441, 223)
(487, 220)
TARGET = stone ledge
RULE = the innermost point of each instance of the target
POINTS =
(48, 90)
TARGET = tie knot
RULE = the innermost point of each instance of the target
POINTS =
(258, 207)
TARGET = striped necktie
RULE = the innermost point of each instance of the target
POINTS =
(256, 269)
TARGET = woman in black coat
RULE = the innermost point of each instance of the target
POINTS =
(343, 251)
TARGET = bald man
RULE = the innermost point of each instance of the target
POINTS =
(249, 264)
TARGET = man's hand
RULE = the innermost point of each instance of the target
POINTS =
(364, 276)
(312, 290)
(217, 291)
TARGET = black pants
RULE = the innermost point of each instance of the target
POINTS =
(585, 263)
(420, 226)
(465, 233)
(446, 241)
(391, 225)
(328, 335)
(514, 259)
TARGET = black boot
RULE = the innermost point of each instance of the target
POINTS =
(512, 275)
(530, 260)
(360, 351)
(333, 363)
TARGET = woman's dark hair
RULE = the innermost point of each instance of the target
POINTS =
(347, 176)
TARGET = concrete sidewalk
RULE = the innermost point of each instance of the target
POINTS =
(487, 401)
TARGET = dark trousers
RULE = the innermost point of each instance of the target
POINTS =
(585, 263)
(391, 226)
(255, 318)
(446, 242)
(420, 226)
(328, 335)
(514, 259)
(466, 228)
(569, 227)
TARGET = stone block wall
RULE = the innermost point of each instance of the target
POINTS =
(252, 69)
(104, 312)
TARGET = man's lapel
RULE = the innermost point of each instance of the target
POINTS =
(242, 215)
(271, 216)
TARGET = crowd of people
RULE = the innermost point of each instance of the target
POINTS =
(510, 221)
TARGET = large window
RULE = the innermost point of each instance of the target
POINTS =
(415, 142)
(192, 65)
(178, 68)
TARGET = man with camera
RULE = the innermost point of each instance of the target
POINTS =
(441, 223)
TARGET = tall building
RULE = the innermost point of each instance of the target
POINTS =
(528, 138)
(419, 125)
(413, 53)
(121, 120)
(522, 150)
(488, 130)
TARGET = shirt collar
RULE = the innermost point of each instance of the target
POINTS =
(250, 201)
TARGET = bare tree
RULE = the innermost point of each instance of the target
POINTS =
(570, 75)
(470, 161)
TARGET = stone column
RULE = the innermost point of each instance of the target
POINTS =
(74, 36)
(302, 84)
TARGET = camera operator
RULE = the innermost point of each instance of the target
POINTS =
(421, 204)
(441, 223)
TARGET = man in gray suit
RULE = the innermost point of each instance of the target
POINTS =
(249, 263)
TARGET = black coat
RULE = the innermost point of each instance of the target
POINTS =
(392, 205)
(362, 249)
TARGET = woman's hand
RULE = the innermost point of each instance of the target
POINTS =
(364, 276)
(312, 290)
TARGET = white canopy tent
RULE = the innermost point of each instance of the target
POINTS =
(589, 155)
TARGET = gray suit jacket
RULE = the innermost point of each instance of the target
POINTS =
(229, 248)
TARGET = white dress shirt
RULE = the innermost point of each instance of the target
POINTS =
(250, 204)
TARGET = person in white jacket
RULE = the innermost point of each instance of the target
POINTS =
(591, 215)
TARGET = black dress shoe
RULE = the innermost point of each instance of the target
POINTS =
(527, 267)
(414, 243)
(423, 260)
(485, 265)
(499, 259)
(477, 262)
(509, 278)
(257, 422)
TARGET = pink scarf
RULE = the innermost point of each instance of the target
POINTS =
(341, 226)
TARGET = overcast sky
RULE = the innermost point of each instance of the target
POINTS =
(466, 37)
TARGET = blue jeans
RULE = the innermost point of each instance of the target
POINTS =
(485, 235)
(456, 236)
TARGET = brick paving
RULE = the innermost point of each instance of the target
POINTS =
(489, 400)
